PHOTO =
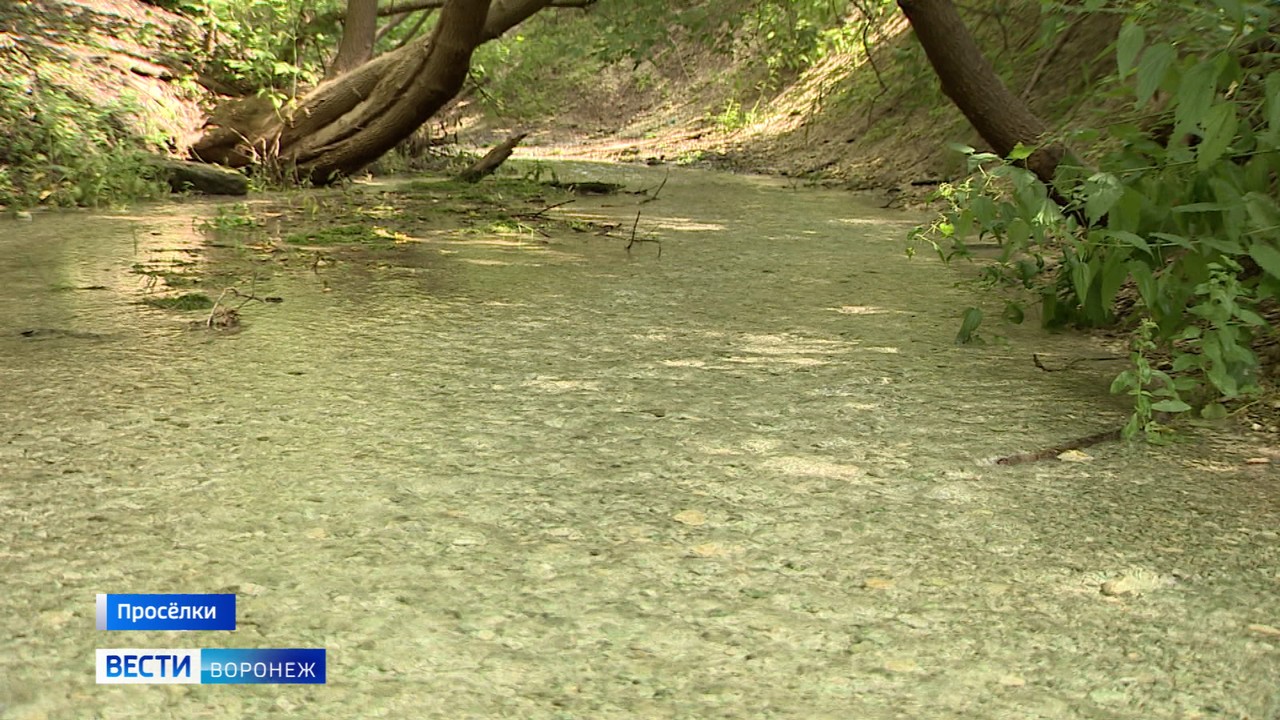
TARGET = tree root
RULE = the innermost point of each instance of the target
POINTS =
(1055, 451)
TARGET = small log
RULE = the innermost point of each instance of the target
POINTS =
(490, 162)
(587, 187)
(184, 176)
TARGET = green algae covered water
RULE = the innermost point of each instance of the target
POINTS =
(537, 477)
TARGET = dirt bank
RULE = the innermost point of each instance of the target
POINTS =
(861, 120)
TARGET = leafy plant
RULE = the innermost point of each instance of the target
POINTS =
(1181, 208)
(271, 47)
(1144, 383)
(231, 217)
(57, 149)
(733, 117)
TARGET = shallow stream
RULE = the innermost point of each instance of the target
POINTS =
(509, 477)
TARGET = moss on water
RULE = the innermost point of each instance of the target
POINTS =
(498, 205)
(361, 234)
(186, 301)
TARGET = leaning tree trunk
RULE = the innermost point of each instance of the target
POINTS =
(410, 92)
(346, 123)
(1000, 117)
(358, 33)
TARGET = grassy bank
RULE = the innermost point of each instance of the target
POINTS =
(86, 92)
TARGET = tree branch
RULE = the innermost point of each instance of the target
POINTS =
(417, 27)
(414, 5)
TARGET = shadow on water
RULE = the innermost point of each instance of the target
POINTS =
(503, 477)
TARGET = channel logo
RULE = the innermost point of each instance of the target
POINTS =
(166, 612)
(215, 666)
(148, 667)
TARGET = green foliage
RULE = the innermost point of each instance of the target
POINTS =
(529, 75)
(787, 34)
(557, 53)
(1182, 209)
(272, 47)
(231, 217)
(733, 117)
(1144, 384)
(59, 149)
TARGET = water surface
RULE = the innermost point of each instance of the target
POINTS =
(550, 478)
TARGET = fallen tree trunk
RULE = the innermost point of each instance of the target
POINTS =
(200, 178)
(492, 160)
(587, 187)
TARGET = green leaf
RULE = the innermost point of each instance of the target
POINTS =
(1222, 380)
(1126, 215)
(1123, 381)
(984, 211)
(1217, 368)
(1263, 210)
(1129, 238)
(976, 160)
(1178, 240)
(1103, 191)
(1018, 233)
(1095, 312)
(1213, 411)
(1195, 94)
(1267, 257)
(1273, 107)
(1187, 384)
(1201, 207)
(1081, 278)
(1132, 427)
(963, 224)
(1250, 317)
(1013, 313)
(1146, 282)
(971, 320)
(1152, 69)
(1054, 312)
(1219, 130)
(1170, 406)
(1114, 273)
(1020, 152)
(1128, 45)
